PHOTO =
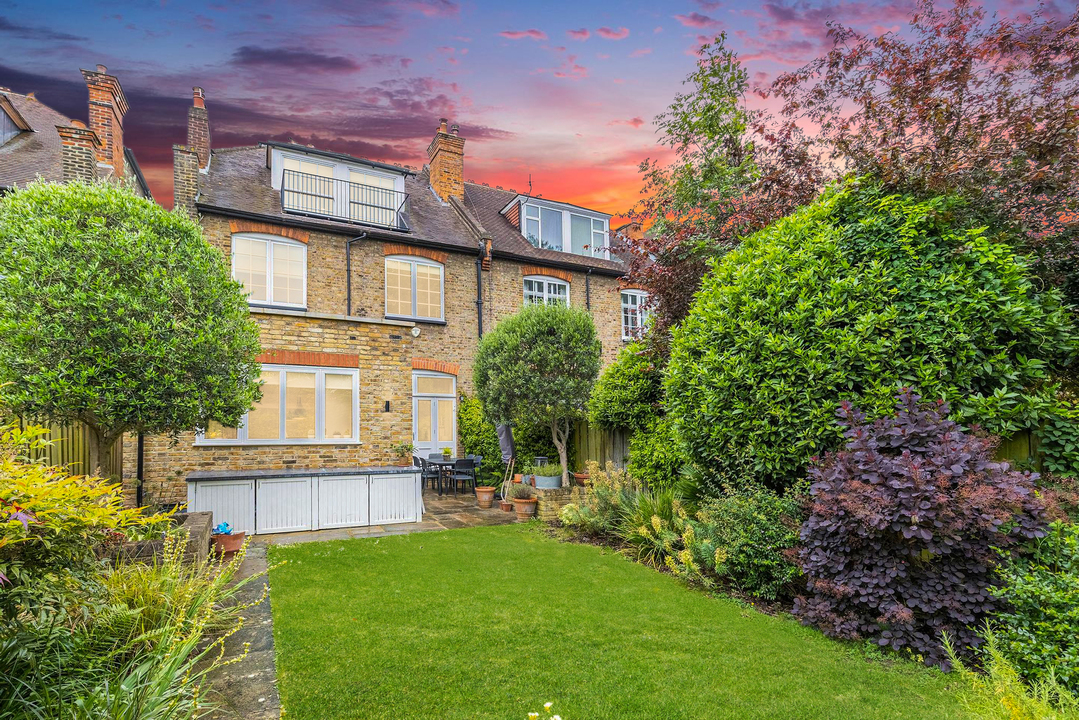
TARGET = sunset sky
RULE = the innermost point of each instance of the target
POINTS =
(566, 91)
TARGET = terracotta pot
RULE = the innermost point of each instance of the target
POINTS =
(506, 505)
(525, 508)
(581, 478)
(517, 478)
(485, 495)
(228, 543)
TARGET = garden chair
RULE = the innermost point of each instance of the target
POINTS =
(429, 473)
(464, 470)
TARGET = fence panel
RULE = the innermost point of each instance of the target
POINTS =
(69, 446)
(593, 443)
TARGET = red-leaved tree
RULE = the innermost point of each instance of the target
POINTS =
(986, 107)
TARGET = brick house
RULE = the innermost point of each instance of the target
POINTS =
(372, 284)
(38, 142)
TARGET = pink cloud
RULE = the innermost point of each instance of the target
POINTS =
(634, 122)
(658, 29)
(696, 20)
(610, 34)
(641, 52)
(532, 34)
(571, 70)
(581, 34)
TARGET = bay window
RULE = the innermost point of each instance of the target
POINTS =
(634, 313)
(273, 270)
(414, 288)
(300, 405)
(540, 290)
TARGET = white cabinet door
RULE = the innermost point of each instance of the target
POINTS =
(395, 499)
(231, 501)
(342, 501)
(283, 504)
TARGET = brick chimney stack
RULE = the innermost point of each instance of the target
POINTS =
(447, 154)
(107, 109)
(198, 128)
(79, 146)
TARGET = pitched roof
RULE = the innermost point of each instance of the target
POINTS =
(238, 180)
(486, 204)
(32, 153)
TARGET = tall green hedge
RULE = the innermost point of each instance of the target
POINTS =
(629, 392)
(851, 298)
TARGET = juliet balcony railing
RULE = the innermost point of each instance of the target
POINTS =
(306, 194)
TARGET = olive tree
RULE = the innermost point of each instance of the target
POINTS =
(539, 366)
(118, 314)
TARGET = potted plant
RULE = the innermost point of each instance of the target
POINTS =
(524, 501)
(548, 476)
(485, 495)
(404, 451)
(447, 452)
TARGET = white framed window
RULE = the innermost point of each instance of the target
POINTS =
(579, 233)
(309, 185)
(300, 405)
(541, 290)
(414, 288)
(372, 197)
(272, 269)
(634, 313)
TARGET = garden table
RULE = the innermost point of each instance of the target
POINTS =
(444, 464)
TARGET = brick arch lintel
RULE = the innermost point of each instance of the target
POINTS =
(401, 249)
(623, 285)
(238, 226)
(549, 272)
(436, 365)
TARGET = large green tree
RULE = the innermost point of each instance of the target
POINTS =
(539, 366)
(851, 298)
(120, 315)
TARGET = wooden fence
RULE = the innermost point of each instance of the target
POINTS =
(592, 443)
(70, 446)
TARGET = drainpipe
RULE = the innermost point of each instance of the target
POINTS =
(138, 470)
(588, 289)
(479, 295)
(348, 273)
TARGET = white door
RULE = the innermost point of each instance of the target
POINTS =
(283, 504)
(434, 412)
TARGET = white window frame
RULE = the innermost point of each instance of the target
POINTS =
(416, 395)
(547, 281)
(341, 172)
(270, 240)
(601, 251)
(320, 411)
(414, 261)
(642, 314)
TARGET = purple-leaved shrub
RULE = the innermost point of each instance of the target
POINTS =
(898, 546)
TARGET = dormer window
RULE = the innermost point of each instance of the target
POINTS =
(338, 188)
(556, 226)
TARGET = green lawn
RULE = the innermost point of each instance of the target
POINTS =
(492, 622)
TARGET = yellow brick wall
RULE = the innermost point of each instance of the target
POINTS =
(383, 352)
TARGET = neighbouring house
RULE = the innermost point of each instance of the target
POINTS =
(372, 285)
(38, 142)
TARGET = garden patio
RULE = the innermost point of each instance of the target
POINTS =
(496, 621)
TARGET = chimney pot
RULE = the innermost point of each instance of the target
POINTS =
(442, 124)
(78, 124)
(454, 129)
(101, 68)
(199, 97)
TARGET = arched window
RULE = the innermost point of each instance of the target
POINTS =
(272, 269)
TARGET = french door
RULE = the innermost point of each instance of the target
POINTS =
(434, 412)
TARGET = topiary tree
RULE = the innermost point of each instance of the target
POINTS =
(539, 366)
(907, 524)
(851, 298)
(118, 314)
